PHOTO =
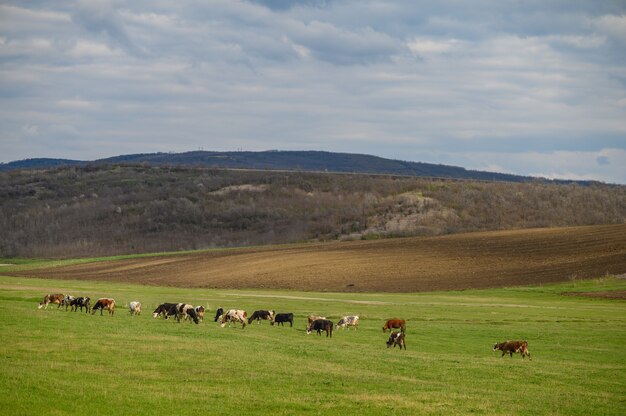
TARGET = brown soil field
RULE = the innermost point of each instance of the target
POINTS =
(453, 262)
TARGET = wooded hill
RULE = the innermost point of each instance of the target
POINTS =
(110, 209)
(285, 160)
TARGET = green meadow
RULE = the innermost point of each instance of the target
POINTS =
(64, 363)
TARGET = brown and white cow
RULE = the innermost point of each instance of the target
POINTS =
(200, 312)
(513, 346)
(102, 304)
(51, 298)
(396, 338)
(134, 308)
(395, 324)
(234, 315)
(348, 321)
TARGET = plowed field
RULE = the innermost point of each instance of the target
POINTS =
(475, 260)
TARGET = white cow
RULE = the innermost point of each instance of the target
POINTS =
(348, 321)
(134, 308)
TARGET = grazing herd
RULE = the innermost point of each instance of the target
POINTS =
(195, 314)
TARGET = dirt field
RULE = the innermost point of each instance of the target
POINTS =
(611, 294)
(476, 260)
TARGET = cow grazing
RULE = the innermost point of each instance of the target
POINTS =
(513, 346)
(200, 312)
(262, 314)
(218, 314)
(396, 338)
(82, 302)
(102, 304)
(312, 318)
(234, 315)
(67, 301)
(166, 310)
(51, 298)
(134, 308)
(320, 325)
(182, 309)
(281, 318)
(348, 321)
(395, 324)
(192, 315)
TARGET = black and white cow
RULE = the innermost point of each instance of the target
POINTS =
(218, 314)
(166, 310)
(82, 302)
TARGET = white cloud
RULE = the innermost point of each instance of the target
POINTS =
(478, 85)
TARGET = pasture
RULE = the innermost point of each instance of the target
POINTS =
(60, 363)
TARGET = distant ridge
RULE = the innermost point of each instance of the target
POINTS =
(286, 160)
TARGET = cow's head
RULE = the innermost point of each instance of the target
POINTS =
(496, 346)
(41, 304)
(308, 329)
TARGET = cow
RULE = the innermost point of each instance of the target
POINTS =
(348, 321)
(67, 301)
(281, 318)
(395, 323)
(134, 308)
(200, 312)
(218, 314)
(312, 318)
(51, 298)
(182, 311)
(320, 325)
(102, 304)
(166, 310)
(193, 316)
(262, 314)
(513, 346)
(81, 302)
(234, 315)
(396, 338)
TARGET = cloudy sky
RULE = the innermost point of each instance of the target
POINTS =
(526, 87)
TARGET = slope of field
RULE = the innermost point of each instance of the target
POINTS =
(474, 260)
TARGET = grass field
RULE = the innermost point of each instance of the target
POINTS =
(61, 363)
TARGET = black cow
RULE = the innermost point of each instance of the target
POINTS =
(281, 318)
(218, 313)
(320, 325)
(258, 315)
(166, 310)
(80, 303)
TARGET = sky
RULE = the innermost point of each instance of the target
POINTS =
(534, 87)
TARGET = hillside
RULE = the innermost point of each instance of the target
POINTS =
(462, 261)
(284, 160)
(107, 210)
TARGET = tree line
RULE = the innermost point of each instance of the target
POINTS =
(114, 209)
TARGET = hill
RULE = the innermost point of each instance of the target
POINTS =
(462, 261)
(111, 209)
(284, 160)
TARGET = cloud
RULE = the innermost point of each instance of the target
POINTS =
(480, 84)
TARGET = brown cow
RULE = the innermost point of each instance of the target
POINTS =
(320, 325)
(396, 338)
(51, 298)
(395, 323)
(102, 304)
(511, 347)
